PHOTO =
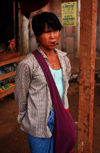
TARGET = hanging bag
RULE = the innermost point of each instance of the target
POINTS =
(64, 126)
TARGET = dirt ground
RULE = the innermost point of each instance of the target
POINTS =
(13, 140)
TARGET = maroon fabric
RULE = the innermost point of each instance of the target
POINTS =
(28, 6)
(64, 126)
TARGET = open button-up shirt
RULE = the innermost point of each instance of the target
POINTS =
(32, 94)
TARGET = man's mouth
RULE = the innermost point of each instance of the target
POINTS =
(55, 43)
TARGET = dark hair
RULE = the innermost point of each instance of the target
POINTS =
(39, 21)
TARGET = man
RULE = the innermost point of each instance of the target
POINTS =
(32, 95)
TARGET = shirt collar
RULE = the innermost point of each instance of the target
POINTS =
(40, 50)
(59, 52)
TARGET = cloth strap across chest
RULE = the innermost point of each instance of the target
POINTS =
(64, 126)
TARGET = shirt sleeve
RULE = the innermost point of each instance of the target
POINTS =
(22, 83)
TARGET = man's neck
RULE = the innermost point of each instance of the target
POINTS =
(48, 52)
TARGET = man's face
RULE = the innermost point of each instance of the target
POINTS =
(48, 39)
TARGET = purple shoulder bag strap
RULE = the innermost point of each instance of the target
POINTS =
(64, 126)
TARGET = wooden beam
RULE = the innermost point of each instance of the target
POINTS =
(86, 77)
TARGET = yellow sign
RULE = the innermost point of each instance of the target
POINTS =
(69, 13)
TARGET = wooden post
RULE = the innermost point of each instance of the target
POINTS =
(78, 25)
(86, 77)
(17, 25)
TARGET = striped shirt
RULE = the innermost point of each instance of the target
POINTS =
(32, 94)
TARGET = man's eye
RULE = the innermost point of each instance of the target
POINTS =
(47, 31)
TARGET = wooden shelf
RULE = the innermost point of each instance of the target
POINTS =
(6, 55)
(16, 59)
(7, 92)
(7, 75)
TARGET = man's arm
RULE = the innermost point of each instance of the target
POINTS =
(22, 83)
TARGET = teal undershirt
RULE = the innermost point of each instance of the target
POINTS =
(58, 78)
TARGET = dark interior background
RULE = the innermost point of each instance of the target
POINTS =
(6, 21)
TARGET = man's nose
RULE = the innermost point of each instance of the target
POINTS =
(52, 35)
